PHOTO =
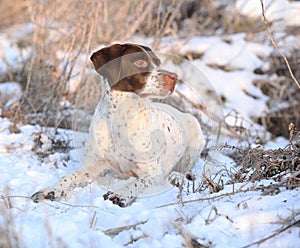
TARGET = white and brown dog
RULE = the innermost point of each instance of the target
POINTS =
(134, 143)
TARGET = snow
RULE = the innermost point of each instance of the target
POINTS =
(10, 52)
(236, 52)
(282, 12)
(229, 221)
(236, 216)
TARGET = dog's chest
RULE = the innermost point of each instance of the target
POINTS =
(131, 131)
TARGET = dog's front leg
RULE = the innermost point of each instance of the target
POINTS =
(63, 187)
(124, 195)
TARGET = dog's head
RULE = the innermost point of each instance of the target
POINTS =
(134, 68)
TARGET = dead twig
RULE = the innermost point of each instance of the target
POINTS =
(116, 231)
(267, 27)
(277, 232)
(207, 198)
(8, 67)
(234, 192)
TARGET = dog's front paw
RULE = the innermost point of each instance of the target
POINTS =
(42, 195)
(121, 201)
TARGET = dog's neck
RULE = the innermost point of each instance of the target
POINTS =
(112, 97)
(119, 104)
(114, 101)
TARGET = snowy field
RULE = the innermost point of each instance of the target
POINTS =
(242, 214)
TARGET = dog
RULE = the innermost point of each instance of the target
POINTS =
(134, 144)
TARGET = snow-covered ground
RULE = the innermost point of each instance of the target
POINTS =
(237, 216)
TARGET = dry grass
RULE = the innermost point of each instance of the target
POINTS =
(282, 164)
(283, 93)
(12, 12)
(8, 233)
(64, 34)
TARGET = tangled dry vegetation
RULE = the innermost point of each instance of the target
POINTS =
(71, 28)
(282, 164)
(283, 93)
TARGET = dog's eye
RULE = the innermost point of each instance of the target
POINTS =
(141, 63)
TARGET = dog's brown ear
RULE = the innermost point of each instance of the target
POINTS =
(106, 63)
(106, 55)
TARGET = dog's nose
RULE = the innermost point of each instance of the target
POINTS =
(171, 77)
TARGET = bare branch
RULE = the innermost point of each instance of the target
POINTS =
(277, 232)
(267, 27)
